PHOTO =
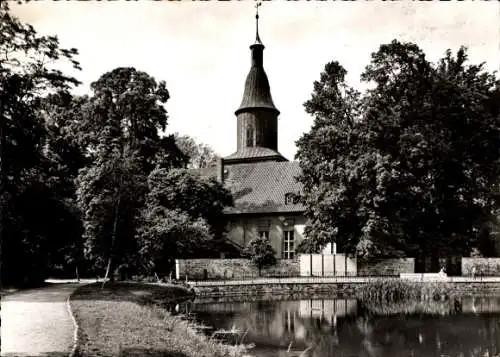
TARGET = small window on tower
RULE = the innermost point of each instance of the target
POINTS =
(250, 137)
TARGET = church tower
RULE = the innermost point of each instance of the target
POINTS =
(257, 116)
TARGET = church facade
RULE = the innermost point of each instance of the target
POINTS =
(262, 181)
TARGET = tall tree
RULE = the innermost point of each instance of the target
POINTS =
(32, 188)
(199, 155)
(413, 172)
(120, 130)
(61, 112)
(328, 154)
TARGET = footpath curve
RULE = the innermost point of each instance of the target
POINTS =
(38, 322)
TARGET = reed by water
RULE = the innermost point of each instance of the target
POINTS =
(403, 290)
(408, 297)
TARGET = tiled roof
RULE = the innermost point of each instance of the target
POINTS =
(256, 152)
(260, 187)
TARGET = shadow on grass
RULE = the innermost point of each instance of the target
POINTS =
(142, 294)
(149, 352)
(46, 293)
(12, 289)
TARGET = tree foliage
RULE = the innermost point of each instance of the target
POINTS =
(199, 155)
(309, 246)
(261, 253)
(183, 217)
(36, 212)
(197, 196)
(409, 166)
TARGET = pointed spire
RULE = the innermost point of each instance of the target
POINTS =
(257, 37)
(257, 116)
(257, 93)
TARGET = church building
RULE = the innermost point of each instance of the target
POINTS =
(261, 180)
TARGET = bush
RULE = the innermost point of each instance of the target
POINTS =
(261, 253)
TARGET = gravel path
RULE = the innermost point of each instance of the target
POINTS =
(37, 322)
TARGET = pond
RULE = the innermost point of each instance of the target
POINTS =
(325, 327)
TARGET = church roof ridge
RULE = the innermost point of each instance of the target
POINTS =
(255, 153)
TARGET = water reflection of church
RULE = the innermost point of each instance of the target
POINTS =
(327, 310)
(279, 325)
(340, 327)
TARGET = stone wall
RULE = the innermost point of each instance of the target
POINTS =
(481, 266)
(385, 267)
(332, 290)
(202, 269)
(212, 269)
(283, 289)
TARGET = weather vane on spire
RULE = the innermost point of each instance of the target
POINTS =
(257, 5)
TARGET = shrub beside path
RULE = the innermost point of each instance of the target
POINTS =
(37, 322)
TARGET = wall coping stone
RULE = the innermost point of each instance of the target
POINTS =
(337, 280)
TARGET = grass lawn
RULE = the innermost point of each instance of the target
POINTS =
(127, 319)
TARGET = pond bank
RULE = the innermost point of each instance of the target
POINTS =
(131, 319)
(335, 286)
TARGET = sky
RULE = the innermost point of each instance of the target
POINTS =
(201, 49)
